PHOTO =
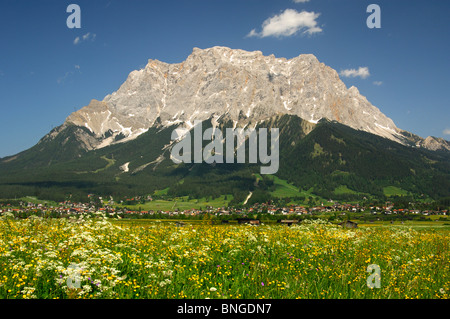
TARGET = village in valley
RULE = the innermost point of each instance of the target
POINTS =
(248, 213)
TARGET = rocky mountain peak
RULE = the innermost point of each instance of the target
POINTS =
(246, 86)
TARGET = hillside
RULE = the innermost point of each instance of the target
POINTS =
(330, 159)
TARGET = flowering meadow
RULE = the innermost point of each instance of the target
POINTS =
(98, 258)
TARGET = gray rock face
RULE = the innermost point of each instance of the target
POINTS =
(435, 144)
(246, 86)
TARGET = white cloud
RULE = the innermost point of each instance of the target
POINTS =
(378, 83)
(63, 78)
(252, 33)
(88, 36)
(446, 131)
(300, 1)
(288, 23)
(362, 72)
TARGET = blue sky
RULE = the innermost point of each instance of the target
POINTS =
(46, 74)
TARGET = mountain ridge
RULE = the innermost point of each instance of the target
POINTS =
(319, 157)
(248, 86)
(331, 137)
(147, 98)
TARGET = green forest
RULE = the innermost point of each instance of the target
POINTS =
(332, 161)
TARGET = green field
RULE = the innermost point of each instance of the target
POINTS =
(99, 258)
(34, 200)
(284, 189)
(394, 191)
(417, 225)
(180, 203)
(343, 190)
(162, 192)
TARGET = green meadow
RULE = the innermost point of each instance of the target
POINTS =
(98, 258)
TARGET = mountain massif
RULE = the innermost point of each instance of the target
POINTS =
(331, 137)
